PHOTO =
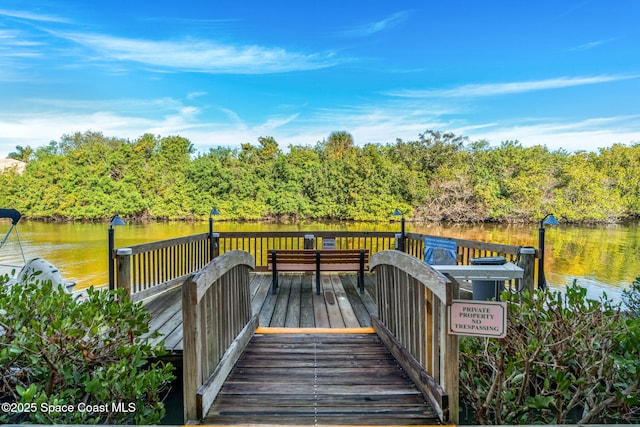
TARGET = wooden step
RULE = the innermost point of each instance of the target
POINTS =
(318, 379)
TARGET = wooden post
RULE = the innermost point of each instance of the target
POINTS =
(123, 260)
(361, 272)
(308, 241)
(450, 358)
(318, 272)
(192, 353)
(211, 318)
(215, 245)
(527, 263)
(274, 273)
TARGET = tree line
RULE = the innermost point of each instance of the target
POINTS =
(438, 177)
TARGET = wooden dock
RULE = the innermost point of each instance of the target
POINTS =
(318, 379)
(296, 305)
(297, 357)
(216, 282)
(314, 360)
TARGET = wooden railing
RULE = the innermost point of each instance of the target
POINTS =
(259, 244)
(149, 268)
(412, 300)
(217, 325)
(468, 249)
(153, 267)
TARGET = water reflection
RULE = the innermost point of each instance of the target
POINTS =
(600, 258)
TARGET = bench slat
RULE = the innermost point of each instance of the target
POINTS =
(295, 267)
(318, 260)
(340, 267)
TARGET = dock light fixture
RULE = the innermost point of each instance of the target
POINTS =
(213, 212)
(212, 243)
(115, 222)
(399, 213)
(548, 219)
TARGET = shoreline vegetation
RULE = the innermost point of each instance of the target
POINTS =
(440, 177)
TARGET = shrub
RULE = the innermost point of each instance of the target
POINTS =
(565, 359)
(631, 298)
(88, 356)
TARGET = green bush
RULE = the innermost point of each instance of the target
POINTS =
(631, 298)
(63, 361)
(565, 359)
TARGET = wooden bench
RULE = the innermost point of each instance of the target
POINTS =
(318, 260)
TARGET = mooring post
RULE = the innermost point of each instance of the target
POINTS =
(308, 241)
(123, 260)
(527, 263)
(317, 272)
(215, 245)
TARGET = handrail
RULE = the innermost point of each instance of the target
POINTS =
(259, 244)
(217, 325)
(156, 266)
(468, 249)
(412, 300)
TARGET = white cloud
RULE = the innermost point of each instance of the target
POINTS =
(377, 26)
(120, 120)
(369, 122)
(194, 95)
(591, 45)
(588, 134)
(29, 16)
(277, 122)
(202, 55)
(14, 44)
(493, 89)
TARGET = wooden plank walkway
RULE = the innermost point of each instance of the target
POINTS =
(296, 305)
(311, 377)
(318, 379)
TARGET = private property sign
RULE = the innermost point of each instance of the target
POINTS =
(478, 318)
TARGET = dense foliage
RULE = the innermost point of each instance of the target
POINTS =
(64, 362)
(440, 176)
(565, 359)
(631, 298)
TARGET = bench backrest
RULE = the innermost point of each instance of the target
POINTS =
(308, 256)
(343, 256)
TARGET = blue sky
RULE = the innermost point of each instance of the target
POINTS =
(565, 74)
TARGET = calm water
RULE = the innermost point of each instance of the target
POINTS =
(602, 258)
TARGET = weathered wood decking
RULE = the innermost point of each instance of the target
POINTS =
(310, 377)
(296, 305)
(225, 303)
(318, 379)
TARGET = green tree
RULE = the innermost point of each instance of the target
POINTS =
(339, 144)
(211, 179)
(621, 166)
(516, 183)
(436, 177)
(23, 154)
(584, 192)
(171, 189)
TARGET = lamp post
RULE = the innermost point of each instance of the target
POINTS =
(115, 221)
(548, 219)
(399, 213)
(212, 245)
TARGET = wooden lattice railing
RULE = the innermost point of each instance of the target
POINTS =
(412, 300)
(217, 325)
